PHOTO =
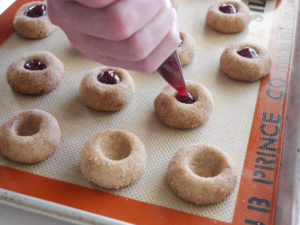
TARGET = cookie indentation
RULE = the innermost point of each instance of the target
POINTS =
(29, 125)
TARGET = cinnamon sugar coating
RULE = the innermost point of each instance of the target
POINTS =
(35, 28)
(180, 115)
(242, 68)
(35, 81)
(228, 23)
(106, 97)
(30, 136)
(113, 158)
(201, 174)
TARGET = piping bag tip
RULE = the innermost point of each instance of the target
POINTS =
(171, 71)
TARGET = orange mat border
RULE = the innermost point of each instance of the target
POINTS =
(258, 188)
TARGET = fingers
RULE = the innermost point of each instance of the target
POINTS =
(118, 21)
(150, 63)
(136, 48)
(133, 34)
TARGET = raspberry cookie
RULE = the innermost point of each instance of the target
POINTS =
(228, 16)
(186, 49)
(30, 136)
(31, 21)
(201, 174)
(113, 158)
(106, 89)
(35, 73)
(184, 112)
(246, 62)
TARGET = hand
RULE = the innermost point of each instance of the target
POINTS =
(132, 34)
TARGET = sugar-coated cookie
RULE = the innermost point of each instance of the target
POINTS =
(30, 136)
(177, 114)
(106, 89)
(201, 174)
(31, 21)
(186, 49)
(228, 16)
(113, 158)
(245, 61)
(35, 73)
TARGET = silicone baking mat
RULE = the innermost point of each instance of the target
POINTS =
(247, 123)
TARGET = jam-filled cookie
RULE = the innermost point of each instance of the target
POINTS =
(113, 158)
(106, 89)
(31, 20)
(228, 16)
(30, 136)
(245, 61)
(201, 174)
(35, 73)
(186, 49)
(184, 111)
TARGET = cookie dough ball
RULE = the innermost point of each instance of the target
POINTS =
(201, 174)
(106, 89)
(228, 16)
(245, 62)
(30, 136)
(31, 21)
(35, 73)
(113, 158)
(186, 49)
(172, 111)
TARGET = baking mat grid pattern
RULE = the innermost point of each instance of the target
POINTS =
(228, 127)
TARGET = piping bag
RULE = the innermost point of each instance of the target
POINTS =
(171, 71)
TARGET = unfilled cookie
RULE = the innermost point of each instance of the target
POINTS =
(113, 158)
(181, 115)
(30, 136)
(106, 89)
(35, 73)
(234, 18)
(201, 174)
(186, 49)
(31, 21)
(245, 62)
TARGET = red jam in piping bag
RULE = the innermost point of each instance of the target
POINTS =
(171, 71)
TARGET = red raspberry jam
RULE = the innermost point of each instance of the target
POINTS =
(228, 9)
(187, 99)
(248, 53)
(35, 64)
(36, 11)
(108, 77)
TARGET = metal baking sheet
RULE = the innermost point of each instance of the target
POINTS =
(149, 200)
